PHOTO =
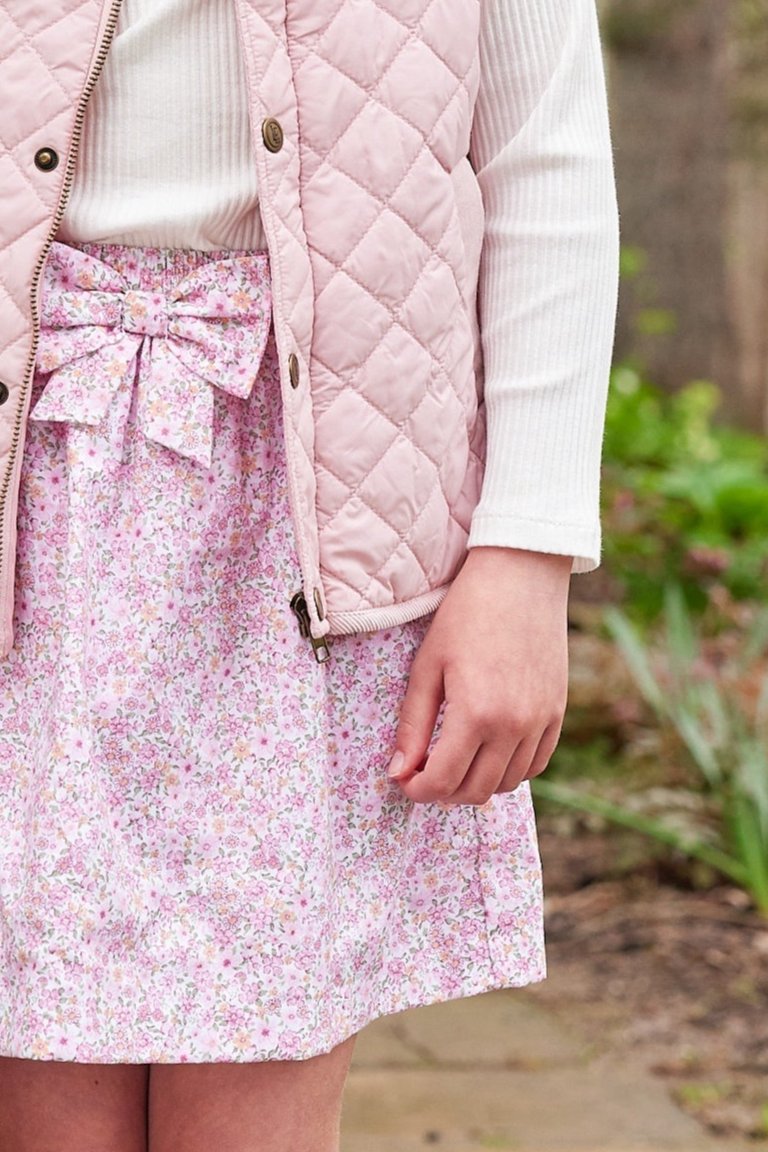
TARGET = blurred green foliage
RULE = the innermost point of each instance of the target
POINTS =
(639, 26)
(721, 736)
(685, 498)
(685, 544)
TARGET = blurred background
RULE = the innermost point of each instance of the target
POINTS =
(652, 1029)
(656, 811)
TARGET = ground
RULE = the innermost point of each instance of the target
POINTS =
(677, 978)
(651, 1032)
(649, 1035)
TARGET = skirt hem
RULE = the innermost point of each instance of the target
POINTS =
(536, 976)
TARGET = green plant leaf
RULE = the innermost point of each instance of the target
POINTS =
(636, 656)
(698, 849)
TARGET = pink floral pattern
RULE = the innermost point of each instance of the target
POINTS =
(174, 342)
(201, 855)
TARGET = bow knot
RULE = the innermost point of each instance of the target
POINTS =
(145, 313)
(208, 331)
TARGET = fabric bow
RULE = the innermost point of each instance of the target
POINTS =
(99, 336)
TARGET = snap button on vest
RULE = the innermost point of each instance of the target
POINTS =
(272, 134)
(3, 393)
(46, 159)
(293, 370)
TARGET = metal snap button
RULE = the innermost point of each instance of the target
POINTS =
(293, 370)
(4, 393)
(319, 604)
(46, 159)
(272, 134)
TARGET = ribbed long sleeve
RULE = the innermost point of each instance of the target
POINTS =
(549, 274)
(167, 160)
(166, 157)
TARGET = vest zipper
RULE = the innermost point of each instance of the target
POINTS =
(301, 612)
(66, 188)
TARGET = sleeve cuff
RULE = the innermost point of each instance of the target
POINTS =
(499, 531)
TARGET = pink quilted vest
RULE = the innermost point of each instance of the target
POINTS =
(361, 116)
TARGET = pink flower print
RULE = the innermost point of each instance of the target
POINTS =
(179, 749)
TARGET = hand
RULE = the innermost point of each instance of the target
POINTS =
(497, 654)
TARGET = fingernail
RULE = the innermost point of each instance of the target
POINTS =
(396, 764)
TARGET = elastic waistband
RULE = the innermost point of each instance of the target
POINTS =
(160, 269)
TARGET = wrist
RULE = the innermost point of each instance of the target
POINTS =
(498, 560)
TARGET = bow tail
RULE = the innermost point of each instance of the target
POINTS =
(93, 395)
(174, 406)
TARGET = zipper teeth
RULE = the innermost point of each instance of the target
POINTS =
(77, 131)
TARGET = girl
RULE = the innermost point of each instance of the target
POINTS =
(284, 634)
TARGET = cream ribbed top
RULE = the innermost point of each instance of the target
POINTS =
(167, 160)
(166, 156)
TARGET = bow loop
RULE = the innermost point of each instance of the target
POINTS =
(80, 308)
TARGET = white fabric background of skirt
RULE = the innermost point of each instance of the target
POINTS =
(201, 855)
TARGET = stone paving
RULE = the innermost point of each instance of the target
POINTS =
(499, 1072)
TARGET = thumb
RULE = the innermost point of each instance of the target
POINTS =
(418, 716)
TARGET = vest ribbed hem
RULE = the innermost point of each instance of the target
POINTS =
(375, 619)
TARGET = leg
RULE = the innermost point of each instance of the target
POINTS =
(280, 1106)
(55, 1106)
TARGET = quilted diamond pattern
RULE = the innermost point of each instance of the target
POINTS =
(46, 48)
(384, 120)
(371, 285)
(37, 61)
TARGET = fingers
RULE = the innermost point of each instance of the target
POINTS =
(448, 762)
(464, 769)
(547, 745)
(418, 716)
(482, 777)
(530, 759)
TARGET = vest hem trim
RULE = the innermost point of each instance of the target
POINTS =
(391, 616)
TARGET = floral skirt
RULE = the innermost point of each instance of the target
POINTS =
(201, 855)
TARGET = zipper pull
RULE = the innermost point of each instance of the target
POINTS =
(319, 647)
